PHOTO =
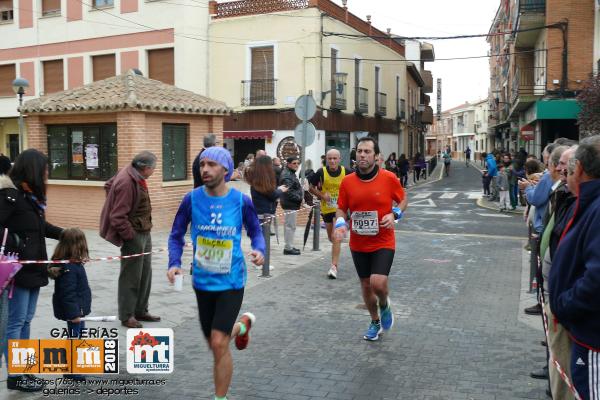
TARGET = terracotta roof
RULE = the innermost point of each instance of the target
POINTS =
(126, 92)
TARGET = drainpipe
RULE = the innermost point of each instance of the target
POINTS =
(321, 58)
(564, 27)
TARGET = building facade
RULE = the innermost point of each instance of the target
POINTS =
(64, 44)
(537, 73)
(356, 74)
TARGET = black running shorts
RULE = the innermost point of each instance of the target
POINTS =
(377, 262)
(328, 218)
(218, 310)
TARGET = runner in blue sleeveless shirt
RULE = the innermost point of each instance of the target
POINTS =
(217, 214)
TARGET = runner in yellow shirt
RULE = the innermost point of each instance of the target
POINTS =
(325, 184)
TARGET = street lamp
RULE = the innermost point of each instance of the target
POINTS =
(19, 85)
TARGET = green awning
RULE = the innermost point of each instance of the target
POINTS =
(557, 109)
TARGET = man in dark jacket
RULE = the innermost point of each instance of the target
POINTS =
(291, 201)
(209, 140)
(126, 221)
(574, 280)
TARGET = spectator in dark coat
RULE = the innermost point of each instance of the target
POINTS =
(72, 297)
(574, 280)
(290, 202)
(23, 213)
(209, 140)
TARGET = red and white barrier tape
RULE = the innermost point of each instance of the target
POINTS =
(553, 360)
(113, 258)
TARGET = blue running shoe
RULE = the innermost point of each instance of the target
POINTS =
(373, 331)
(387, 316)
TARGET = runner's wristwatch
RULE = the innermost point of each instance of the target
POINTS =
(397, 213)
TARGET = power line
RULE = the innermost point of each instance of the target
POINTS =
(438, 59)
(394, 37)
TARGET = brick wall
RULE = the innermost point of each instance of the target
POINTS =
(580, 15)
(80, 205)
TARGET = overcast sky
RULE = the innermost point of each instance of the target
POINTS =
(462, 80)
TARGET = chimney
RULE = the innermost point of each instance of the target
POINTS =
(212, 7)
(345, 4)
(370, 26)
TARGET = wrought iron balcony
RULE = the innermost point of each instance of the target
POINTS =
(338, 95)
(401, 109)
(532, 6)
(428, 80)
(6, 15)
(361, 100)
(259, 92)
(528, 83)
(380, 104)
(427, 116)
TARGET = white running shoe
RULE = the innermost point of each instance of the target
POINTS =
(332, 274)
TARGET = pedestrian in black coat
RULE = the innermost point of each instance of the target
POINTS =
(23, 213)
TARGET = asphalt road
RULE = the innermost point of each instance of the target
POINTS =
(455, 287)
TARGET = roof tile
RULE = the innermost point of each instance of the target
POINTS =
(126, 92)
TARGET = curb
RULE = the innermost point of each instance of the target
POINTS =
(429, 181)
(482, 205)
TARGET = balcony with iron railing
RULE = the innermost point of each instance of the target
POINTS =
(428, 79)
(527, 86)
(338, 95)
(531, 14)
(427, 115)
(259, 92)
(380, 104)
(400, 109)
(361, 100)
(531, 6)
(6, 15)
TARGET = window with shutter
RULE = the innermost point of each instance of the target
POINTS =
(50, 7)
(103, 66)
(262, 74)
(7, 76)
(175, 158)
(6, 10)
(161, 65)
(53, 76)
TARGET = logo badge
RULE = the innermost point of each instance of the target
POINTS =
(150, 351)
(63, 356)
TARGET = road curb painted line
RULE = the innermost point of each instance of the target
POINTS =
(429, 182)
(474, 235)
(481, 205)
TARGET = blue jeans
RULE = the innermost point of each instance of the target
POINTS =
(75, 329)
(21, 309)
(3, 320)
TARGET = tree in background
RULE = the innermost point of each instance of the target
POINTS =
(589, 100)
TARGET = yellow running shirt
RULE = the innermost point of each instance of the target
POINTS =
(331, 185)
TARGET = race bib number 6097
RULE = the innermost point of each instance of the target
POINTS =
(365, 223)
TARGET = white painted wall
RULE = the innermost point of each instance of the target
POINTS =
(313, 152)
(188, 20)
(388, 144)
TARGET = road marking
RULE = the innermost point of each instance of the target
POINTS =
(422, 203)
(473, 235)
(474, 195)
(493, 215)
(423, 195)
(448, 195)
(438, 212)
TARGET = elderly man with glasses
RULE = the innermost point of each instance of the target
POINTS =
(574, 281)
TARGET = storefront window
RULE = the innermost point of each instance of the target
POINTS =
(175, 158)
(86, 152)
